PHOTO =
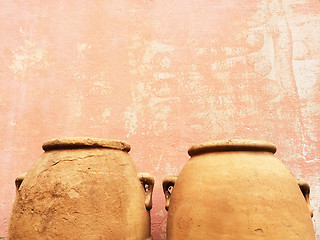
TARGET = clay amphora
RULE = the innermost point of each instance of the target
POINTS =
(82, 188)
(236, 189)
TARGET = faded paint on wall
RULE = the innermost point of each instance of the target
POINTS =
(161, 75)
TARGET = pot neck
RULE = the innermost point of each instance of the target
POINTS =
(84, 142)
(231, 145)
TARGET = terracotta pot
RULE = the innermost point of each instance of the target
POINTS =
(236, 189)
(82, 188)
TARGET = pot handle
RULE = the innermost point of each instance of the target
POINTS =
(305, 189)
(147, 181)
(19, 180)
(167, 185)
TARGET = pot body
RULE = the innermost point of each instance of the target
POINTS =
(81, 188)
(237, 190)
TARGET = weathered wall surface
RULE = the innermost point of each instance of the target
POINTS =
(161, 75)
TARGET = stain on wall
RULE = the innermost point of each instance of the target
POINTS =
(161, 75)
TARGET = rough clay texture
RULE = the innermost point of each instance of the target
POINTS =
(91, 193)
(162, 75)
(246, 194)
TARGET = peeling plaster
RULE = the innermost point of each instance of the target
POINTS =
(150, 97)
(82, 47)
(28, 58)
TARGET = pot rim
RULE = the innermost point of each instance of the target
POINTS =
(232, 145)
(84, 142)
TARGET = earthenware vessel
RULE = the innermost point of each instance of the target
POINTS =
(236, 189)
(82, 188)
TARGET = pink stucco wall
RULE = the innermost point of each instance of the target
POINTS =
(161, 75)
